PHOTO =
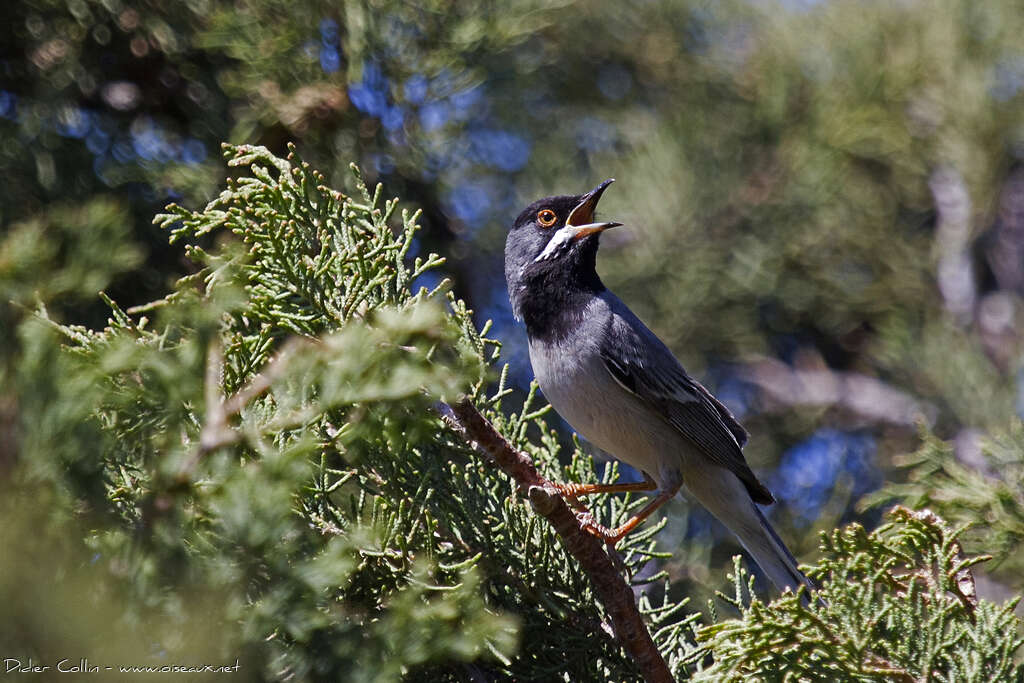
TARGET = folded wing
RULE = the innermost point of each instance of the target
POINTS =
(644, 366)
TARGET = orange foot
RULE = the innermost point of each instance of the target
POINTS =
(613, 536)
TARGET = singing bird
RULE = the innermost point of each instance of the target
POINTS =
(621, 388)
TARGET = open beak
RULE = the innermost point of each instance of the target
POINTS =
(582, 217)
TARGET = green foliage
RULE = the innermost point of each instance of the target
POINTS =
(72, 244)
(830, 187)
(67, 252)
(255, 467)
(986, 497)
(266, 434)
(898, 604)
(801, 182)
(262, 498)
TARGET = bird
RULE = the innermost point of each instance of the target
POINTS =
(620, 387)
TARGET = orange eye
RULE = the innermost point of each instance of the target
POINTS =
(547, 218)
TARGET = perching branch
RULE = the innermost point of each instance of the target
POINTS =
(627, 623)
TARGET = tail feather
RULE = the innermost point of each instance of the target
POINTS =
(784, 571)
(722, 493)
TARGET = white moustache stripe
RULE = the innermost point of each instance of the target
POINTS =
(557, 243)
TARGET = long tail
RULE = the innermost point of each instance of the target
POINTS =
(722, 493)
(777, 562)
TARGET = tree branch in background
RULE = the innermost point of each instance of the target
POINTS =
(955, 274)
(864, 397)
(615, 594)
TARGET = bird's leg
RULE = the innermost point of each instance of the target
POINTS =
(613, 536)
(571, 492)
(576, 490)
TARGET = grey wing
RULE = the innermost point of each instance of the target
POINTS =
(644, 366)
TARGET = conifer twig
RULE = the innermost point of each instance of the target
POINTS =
(216, 433)
(618, 600)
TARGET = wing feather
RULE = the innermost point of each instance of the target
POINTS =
(644, 366)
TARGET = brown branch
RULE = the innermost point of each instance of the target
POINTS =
(614, 593)
(216, 432)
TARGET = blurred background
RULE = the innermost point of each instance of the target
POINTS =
(823, 200)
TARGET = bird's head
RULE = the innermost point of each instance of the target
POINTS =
(553, 245)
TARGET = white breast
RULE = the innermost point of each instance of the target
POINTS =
(579, 387)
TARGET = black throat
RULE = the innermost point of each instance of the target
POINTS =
(552, 297)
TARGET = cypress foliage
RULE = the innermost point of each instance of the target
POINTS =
(986, 498)
(253, 467)
(899, 603)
